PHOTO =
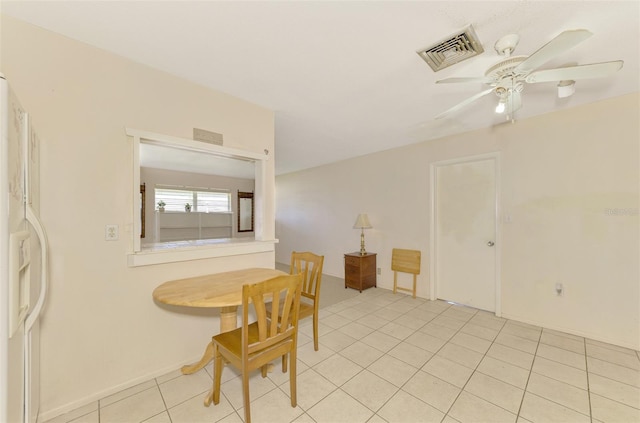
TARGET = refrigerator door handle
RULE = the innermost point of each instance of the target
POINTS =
(19, 279)
(44, 244)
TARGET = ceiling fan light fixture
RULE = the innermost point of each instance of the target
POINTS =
(500, 107)
(566, 88)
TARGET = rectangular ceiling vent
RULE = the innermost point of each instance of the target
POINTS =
(460, 46)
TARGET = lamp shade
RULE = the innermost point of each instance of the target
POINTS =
(362, 222)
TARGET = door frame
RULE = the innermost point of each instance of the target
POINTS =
(433, 250)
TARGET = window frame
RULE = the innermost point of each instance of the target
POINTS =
(166, 254)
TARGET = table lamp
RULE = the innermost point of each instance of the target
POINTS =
(362, 223)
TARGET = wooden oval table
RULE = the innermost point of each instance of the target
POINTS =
(219, 290)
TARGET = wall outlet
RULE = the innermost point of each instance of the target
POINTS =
(111, 232)
(559, 289)
(379, 271)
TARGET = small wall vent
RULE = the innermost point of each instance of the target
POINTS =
(207, 136)
(460, 46)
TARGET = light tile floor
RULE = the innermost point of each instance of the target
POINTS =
(391, 358)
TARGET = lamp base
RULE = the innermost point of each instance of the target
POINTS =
(362, 250)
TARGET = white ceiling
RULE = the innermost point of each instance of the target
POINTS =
(343, 77)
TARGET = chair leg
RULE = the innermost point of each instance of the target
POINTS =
(245, 395)
(395, 282)
(292, 377)
(284, 363)
(217, 375)
(315, 331)
(414, 285)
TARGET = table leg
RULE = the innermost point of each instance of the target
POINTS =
(228, 321)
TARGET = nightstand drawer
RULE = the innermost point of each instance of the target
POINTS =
(351, 261)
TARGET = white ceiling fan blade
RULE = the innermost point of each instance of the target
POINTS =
(482, 79)
(594, 70)
(561, 43)
(464, 103)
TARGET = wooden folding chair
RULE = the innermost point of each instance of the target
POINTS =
(405, 261)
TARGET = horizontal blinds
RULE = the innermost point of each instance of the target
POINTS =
(200, 200)
(212, 201)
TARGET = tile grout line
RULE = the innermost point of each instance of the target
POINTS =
(346, 358)
(555, 402)
(586, 366)
(399, 388)
(417, 370)
(470, 376)
(526, 385)
(476, 370)
(384, 353)
(438, 350)
(166, 409)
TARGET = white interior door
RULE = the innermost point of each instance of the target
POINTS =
(465, 233)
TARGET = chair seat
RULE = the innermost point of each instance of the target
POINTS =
(306, 310)
(232, 340)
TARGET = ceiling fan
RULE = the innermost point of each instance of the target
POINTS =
(508, 77)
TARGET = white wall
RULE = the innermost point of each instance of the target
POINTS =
(101, 330)
(561, 172)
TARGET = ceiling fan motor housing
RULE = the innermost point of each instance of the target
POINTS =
(505, 45)
(504, 68)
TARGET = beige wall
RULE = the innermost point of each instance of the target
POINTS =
(101, 331)
(561, 172)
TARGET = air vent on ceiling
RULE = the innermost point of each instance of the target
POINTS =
(453, 49)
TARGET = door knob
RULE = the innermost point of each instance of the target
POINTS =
(490, 243)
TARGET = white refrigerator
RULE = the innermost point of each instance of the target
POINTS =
(23, 263)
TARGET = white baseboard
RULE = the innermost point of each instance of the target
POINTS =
(58, 411)
(559, 328)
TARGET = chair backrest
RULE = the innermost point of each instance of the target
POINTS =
(405, 261)
(282, 289)
(310, 266)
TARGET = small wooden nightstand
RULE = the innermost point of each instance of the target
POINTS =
(359, 271)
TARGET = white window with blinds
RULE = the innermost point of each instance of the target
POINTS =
(206, 200)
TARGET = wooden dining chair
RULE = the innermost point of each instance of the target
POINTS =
(310, 266)
(254, 345)
(405, 261)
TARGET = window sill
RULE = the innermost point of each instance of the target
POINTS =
(177, 251)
